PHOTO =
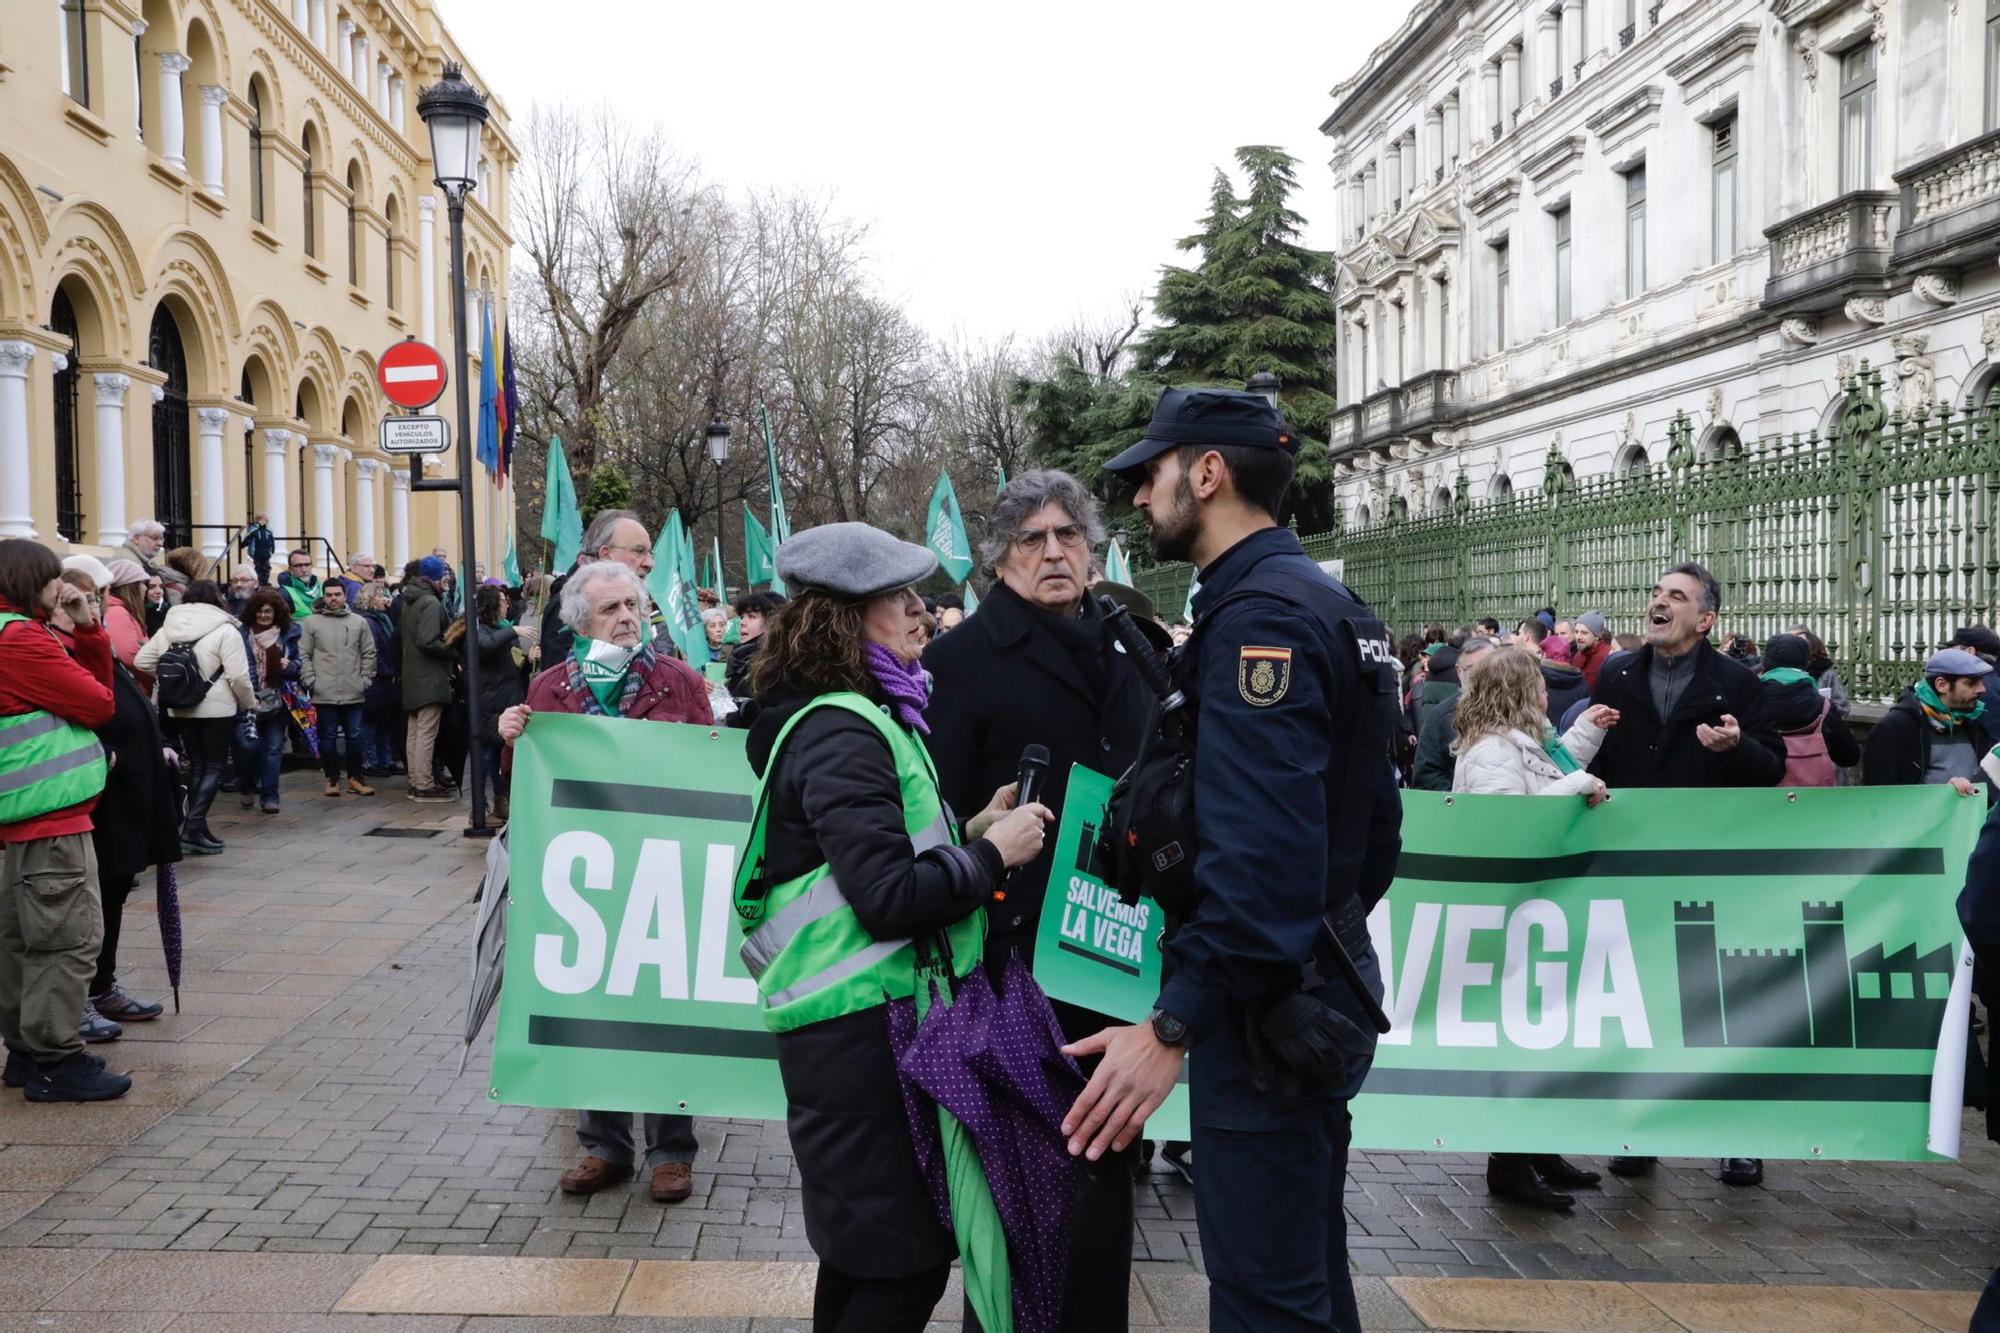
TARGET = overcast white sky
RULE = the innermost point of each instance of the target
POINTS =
(1017, 164)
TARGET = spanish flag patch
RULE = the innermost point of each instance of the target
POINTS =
(1263, 674)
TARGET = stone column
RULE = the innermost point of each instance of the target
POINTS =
(1371, 190)
(17, 506)
(323, 457)
(277, 463)
(381, 95)
(427, 316)
(173, 119)
(1406, 159)
(138, 92)
(361, 62)
(399, 519)
(1434, 140)
(1489, 90)
(366, 470)
(396, 100)
(1452, 128)
(111, 390)
(1575, 40)
(211, 486)
(319, 24)
(1548, 55)
(213, 98)
(1510, 87)
(1392, 178)
(301, 14)
(343, 51)
(343, 509)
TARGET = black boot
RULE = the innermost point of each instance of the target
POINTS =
(1742, 1170)
(1559, 1172)
(1512, 1175)
(1632, 1166)
(202, 787)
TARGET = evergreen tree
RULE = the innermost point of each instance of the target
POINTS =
(610, 488)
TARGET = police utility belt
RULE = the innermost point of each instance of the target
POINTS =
(1147, 849)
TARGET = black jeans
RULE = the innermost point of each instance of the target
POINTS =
(345, 721)
(207, 742)
(114, 892)
(843, 1303)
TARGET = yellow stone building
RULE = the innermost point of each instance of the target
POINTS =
(214, 217)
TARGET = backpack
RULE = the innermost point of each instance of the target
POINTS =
(1807, 764)
(177, 678)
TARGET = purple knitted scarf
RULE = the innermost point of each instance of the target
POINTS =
(904, 683)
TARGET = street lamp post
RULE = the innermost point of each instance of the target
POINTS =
(455, 114)
(718, 453)
(1266, 383)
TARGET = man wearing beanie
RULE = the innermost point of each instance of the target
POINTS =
(426, 674)
(1591, 639)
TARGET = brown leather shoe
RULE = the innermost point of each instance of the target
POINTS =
(672, 1182)
(359, 788)
(594, 1174)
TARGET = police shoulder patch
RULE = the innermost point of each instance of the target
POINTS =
(1263, 674)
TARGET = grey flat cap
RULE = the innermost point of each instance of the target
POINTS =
(852, 560)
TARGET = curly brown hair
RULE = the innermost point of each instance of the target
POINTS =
(1499, 695)
(814, 644)
(271, 597)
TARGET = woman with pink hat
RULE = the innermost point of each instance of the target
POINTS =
(125, 609)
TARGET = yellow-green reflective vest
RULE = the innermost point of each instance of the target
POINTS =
(811, 957)
(46, 763)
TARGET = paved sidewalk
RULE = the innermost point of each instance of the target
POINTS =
(307, 1099)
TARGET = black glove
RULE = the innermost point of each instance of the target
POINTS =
(1312, 1039)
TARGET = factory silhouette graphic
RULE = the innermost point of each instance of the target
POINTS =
(1814, 997)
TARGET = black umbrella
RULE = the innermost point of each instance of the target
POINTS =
(489, 944)
(167, 898)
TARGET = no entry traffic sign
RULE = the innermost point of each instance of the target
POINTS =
(412, 374)
(414, 435)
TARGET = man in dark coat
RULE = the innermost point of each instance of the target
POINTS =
(613, 534)
(1687, 717)
(1037, 666)
(1938, 732)
(136, 825)
(426, 676)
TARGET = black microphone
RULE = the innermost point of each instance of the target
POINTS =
(1028, 786)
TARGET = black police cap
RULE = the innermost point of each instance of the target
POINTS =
(1207, 416)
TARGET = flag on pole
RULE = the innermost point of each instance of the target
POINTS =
(697, 651)
(760, 554)
(715, 582)
(510, 566)
(510, 403)
(1003, 476)
(1187, 607)
(781, 527)
(671, 585)
(562, 521)
(489, 401)
(944, 531)
(1116, 568)
(971, 600)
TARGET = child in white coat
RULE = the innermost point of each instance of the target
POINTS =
(1506, 747)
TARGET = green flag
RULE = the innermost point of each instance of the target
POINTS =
(721, 591)
(760, 555)
(672, 587)
(510, 567)
(1117, 569)
(707, 572)
(1187, 607)
(1003, 476)
(944, 531)
(971, 600)
(696, 645)
(562, 521)
(781, 527)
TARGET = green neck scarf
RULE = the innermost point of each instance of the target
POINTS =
(1944, 719)
(604, 666)
(1553, 747)
(1788, 676)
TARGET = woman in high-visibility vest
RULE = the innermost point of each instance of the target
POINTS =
(854, 865)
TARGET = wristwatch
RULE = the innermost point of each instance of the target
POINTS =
(1170, 1030)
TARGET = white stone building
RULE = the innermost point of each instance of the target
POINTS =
(1562, 220)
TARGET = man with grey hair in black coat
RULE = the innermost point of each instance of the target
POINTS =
(1036, 666)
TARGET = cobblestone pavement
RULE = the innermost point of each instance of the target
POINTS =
(307, 1099)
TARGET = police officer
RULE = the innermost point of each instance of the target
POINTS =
(1296, 831)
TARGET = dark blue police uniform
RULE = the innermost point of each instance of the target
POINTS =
(1297, 823)
(1979, 913)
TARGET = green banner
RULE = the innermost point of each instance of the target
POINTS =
(1684, 973)
(1091, 949)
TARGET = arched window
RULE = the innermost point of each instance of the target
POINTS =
(1631, 459)
(1719, 444)
(392, 215)
(1501, 487)
(69, 473)
(173, 481)
(1363, 517)
(1441, 501)
(306, 175)
(256, 152)
(354, 224)
(1984, 381)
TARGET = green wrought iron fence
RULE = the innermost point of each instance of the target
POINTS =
(1880, 537)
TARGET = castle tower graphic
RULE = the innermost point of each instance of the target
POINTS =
(1818, 996)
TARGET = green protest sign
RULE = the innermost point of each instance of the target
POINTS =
(1091, 949)
(1749, 973)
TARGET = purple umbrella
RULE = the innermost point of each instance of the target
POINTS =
(994, 1061)
(167, 901)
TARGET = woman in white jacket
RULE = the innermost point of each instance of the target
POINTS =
(202, 618)
(1506, 747)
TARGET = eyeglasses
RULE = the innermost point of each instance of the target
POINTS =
(1033, 541)
(633, 550)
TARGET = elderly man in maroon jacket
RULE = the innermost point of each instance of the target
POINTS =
(612, 671)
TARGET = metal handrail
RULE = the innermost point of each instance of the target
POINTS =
(330, 563)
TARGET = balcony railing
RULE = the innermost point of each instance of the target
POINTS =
(1555, 89)
(1950, 206)
(1414, 407)
(1825, 255)
(1626, 34)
